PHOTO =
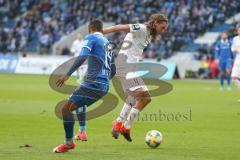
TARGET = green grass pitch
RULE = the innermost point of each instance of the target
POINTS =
(209, 131)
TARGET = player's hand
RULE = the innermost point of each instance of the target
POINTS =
(61, 80)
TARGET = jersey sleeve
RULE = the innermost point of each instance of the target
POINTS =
(217, 49)
(88, 44)
(136, 28)
(77, 63)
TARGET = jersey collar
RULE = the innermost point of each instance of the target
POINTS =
(98, 33)
(224, 41)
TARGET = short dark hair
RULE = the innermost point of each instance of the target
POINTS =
(96, 25)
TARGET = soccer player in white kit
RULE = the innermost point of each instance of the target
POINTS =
(236, 67)
(140, 35)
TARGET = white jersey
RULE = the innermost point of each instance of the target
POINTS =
(76, 47)
(236, 66)
(138, 38)
(236, 46)
(135, 41)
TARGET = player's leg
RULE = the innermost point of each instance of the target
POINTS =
(142, 98)
(76, 100)
(236, 74)
(135, 88)
(84, 97)
(81, 115)
(68, 123)
(117, 124)
(222, 75)
(228, 74)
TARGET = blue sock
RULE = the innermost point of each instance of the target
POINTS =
(81, 115)
(228, 80)
(68, 123)
(222, 81)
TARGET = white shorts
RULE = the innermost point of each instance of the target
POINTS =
(129, 78)
(236, 69)
(132, 84)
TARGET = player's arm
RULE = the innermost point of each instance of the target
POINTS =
(113, 70)
(85, 52)
(77, 63)
(117, 28)
(217, 50)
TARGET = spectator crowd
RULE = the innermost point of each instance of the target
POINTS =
(34, 26)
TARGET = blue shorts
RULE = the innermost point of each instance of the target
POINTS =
(88, 94)
(225, 65)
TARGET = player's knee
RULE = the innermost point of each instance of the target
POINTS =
(147, 97)
(68, 107)
(148, 100)
(64, 110)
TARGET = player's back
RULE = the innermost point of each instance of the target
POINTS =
(99, 60)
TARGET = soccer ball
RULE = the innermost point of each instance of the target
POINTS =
(154, 138)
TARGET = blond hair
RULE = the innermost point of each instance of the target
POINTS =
(157, 17)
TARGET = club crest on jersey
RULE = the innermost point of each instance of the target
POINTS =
(135, 27)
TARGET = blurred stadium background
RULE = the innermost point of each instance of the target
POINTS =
(31, 28)
(36, 37)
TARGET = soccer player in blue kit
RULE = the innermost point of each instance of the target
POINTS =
(224, 56)
(96, 84)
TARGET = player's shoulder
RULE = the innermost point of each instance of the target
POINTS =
(90, 36)
(142, 25)
(138, 26)
(94, 36)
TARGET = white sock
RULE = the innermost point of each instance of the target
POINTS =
(237, 83)
(132, 117)
(124, 112)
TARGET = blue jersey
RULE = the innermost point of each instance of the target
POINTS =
(99, 58)
(223, 50)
